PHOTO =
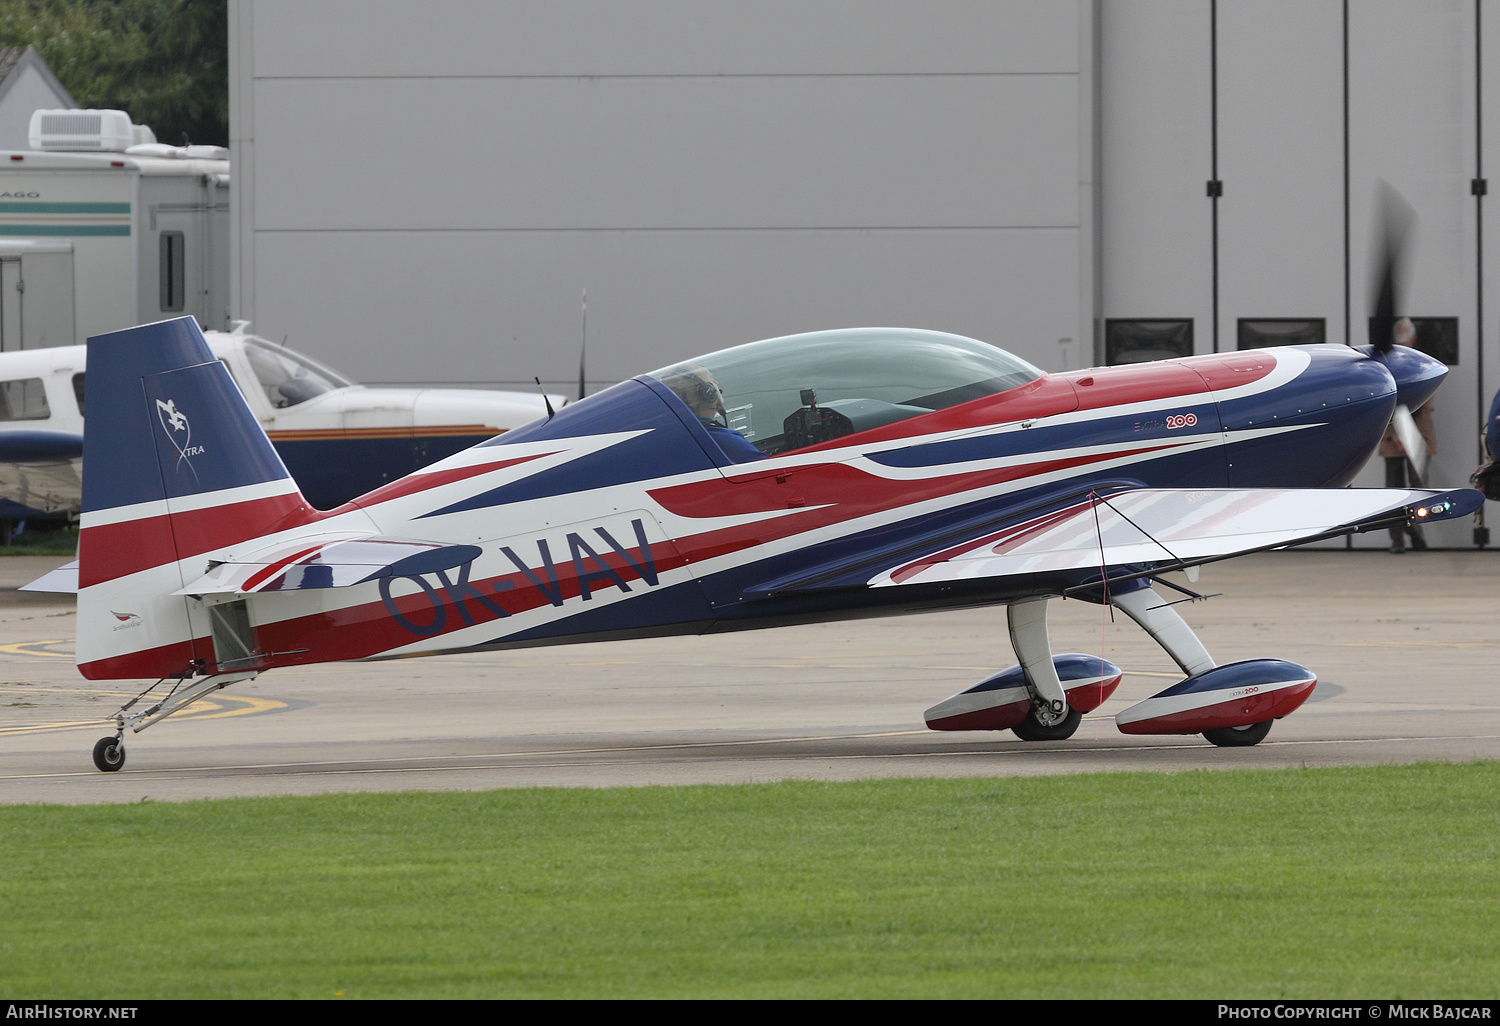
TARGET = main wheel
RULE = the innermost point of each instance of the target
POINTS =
(1239, 737)
(109, 754)
(1033, 729)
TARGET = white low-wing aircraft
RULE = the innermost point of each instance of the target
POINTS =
(338, 439)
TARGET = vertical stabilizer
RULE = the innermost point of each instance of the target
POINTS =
(175, 465)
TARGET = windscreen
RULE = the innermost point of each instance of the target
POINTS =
(784, 393)
(289, 378)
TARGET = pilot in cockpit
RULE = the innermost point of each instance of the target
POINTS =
(694, 384)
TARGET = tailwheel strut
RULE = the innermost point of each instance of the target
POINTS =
(109, 752)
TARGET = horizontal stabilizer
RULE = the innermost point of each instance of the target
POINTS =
(62, 581)
(1167, 528)
(326, 561)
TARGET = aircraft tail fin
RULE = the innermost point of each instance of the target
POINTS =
(176, 465)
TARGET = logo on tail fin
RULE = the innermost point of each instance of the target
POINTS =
(175, 423)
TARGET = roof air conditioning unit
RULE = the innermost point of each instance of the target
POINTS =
(89, 130)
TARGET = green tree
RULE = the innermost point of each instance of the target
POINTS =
(165, 62)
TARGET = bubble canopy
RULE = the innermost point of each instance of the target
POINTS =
(784, 393)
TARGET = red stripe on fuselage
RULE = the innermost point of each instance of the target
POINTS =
(844, 493)
(1047, 396)
(108, 551)
(1103, 387)
(847, 492)
(1096, 389)
(1223, 371)
(164, 661)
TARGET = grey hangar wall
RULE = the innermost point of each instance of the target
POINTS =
(422, 192)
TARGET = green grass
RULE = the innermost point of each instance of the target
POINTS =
(44, 537)
(1373, 882)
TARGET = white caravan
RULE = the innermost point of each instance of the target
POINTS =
(101, 228)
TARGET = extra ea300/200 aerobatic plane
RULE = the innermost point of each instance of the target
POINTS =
(815, 477)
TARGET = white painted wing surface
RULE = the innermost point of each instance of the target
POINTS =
(1153, 525)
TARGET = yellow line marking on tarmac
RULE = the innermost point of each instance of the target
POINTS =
(216, 708)
(33, 648)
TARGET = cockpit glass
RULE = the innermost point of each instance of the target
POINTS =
(289, 378)
(786, 393)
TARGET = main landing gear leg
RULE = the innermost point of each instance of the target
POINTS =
(1050, 718)
(1170, 631)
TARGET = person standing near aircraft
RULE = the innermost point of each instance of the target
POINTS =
(1492, 429)
(1396, 456)
(1486, 476)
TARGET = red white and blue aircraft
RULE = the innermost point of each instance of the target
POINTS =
(816, 477)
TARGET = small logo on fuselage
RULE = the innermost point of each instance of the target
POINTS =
(1171, 422)
(126, 620)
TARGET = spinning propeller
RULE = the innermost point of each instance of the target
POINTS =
(1389, 249)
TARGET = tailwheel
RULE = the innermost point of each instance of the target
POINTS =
(1042, 724)
(1239, 737)
(109, 753)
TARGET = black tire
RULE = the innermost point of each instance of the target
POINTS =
(1239, 737)
(109, 754)
(1030, 729)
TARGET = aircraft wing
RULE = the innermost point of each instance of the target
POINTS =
(1168, 528)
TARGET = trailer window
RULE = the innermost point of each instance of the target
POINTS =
(170, 264)
(23, 399)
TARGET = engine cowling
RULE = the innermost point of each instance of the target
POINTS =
(1001, 701)
(1233, 695)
